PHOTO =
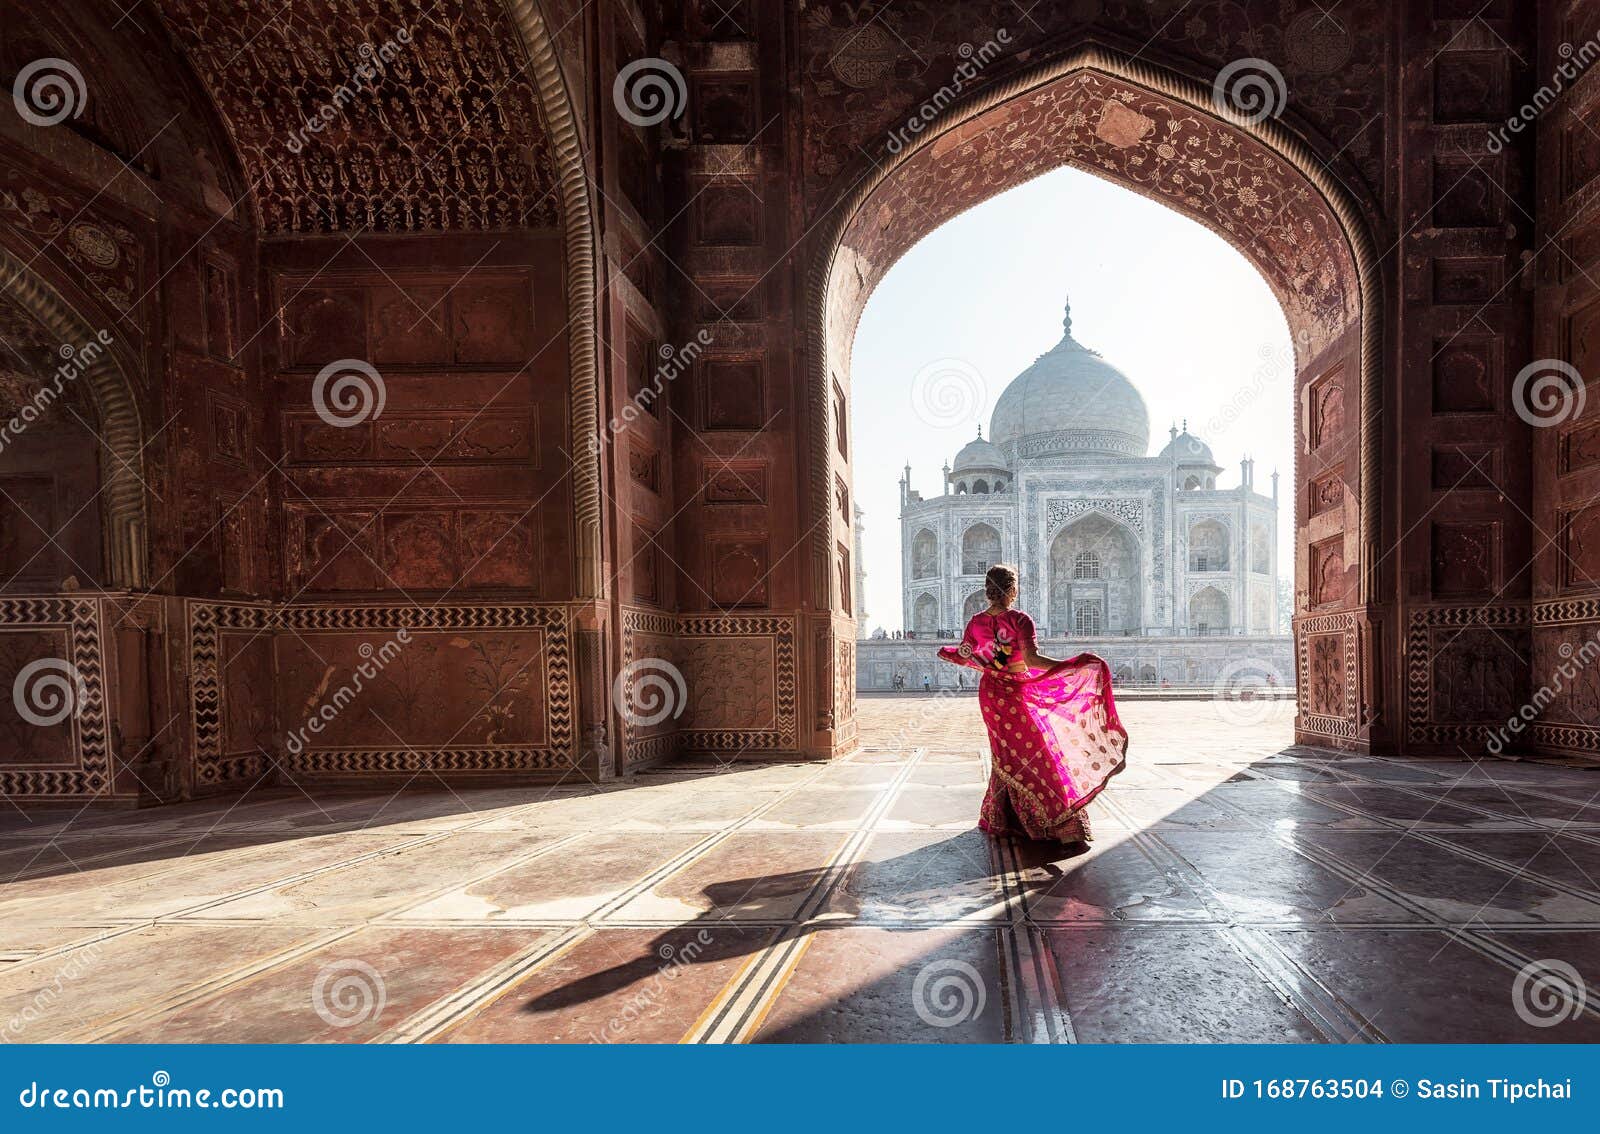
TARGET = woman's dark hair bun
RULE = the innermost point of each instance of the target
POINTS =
(1000, 583)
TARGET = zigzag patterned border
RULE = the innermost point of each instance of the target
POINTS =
(1560, 611)
(1566, 737)
(214, 766)
(1339, 622)
(638, 751)
(1419, 659)
(207, 621)
(785, 733)
(80, 620)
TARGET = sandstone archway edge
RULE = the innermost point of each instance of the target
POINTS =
(124, 520)
(577, 224)
(1277, 138)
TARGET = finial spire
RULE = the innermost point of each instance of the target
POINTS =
(1066, 317)
(980, 431)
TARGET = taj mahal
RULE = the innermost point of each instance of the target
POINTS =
(1150, 561)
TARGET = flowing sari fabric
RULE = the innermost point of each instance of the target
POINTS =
(1054, 734)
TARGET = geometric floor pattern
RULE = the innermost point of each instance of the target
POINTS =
(1239, 889)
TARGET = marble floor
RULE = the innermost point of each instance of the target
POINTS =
(1240, 889)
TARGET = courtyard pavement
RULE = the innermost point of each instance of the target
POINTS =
(1240, 889)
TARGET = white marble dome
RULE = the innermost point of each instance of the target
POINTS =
(1187, 449)
(980, 454)
(1071, 402)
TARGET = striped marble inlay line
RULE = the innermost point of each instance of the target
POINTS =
(1430, 836)
(461, 1004)
(1484, 946)
(1327, 1013)
(737, 1011)
(1027, 964)
(455, 1009)
(205, 990)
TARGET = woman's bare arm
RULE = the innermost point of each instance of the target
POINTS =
(1036, 660)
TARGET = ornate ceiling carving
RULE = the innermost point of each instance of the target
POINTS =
(360, 115)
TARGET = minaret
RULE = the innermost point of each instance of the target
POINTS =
(861, 574)
(905, 488)
(1274, 486)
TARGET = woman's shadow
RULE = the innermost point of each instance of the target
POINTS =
(958, 877)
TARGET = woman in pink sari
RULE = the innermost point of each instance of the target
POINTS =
(1054, 735)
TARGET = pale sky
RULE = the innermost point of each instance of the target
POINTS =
(1165, 299)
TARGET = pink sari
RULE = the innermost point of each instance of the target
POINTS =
(1054, 735)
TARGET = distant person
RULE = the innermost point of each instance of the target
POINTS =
(1054, 736)
(927, 682)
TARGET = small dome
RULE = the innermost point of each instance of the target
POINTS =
(1187, 449)
(980, 454)
(1071, 402)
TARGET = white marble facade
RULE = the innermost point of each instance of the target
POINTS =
(1110, 543)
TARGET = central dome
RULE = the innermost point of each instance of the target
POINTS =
(1071, 402)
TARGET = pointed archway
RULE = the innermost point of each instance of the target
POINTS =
(87, 356)
(1258, 185)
